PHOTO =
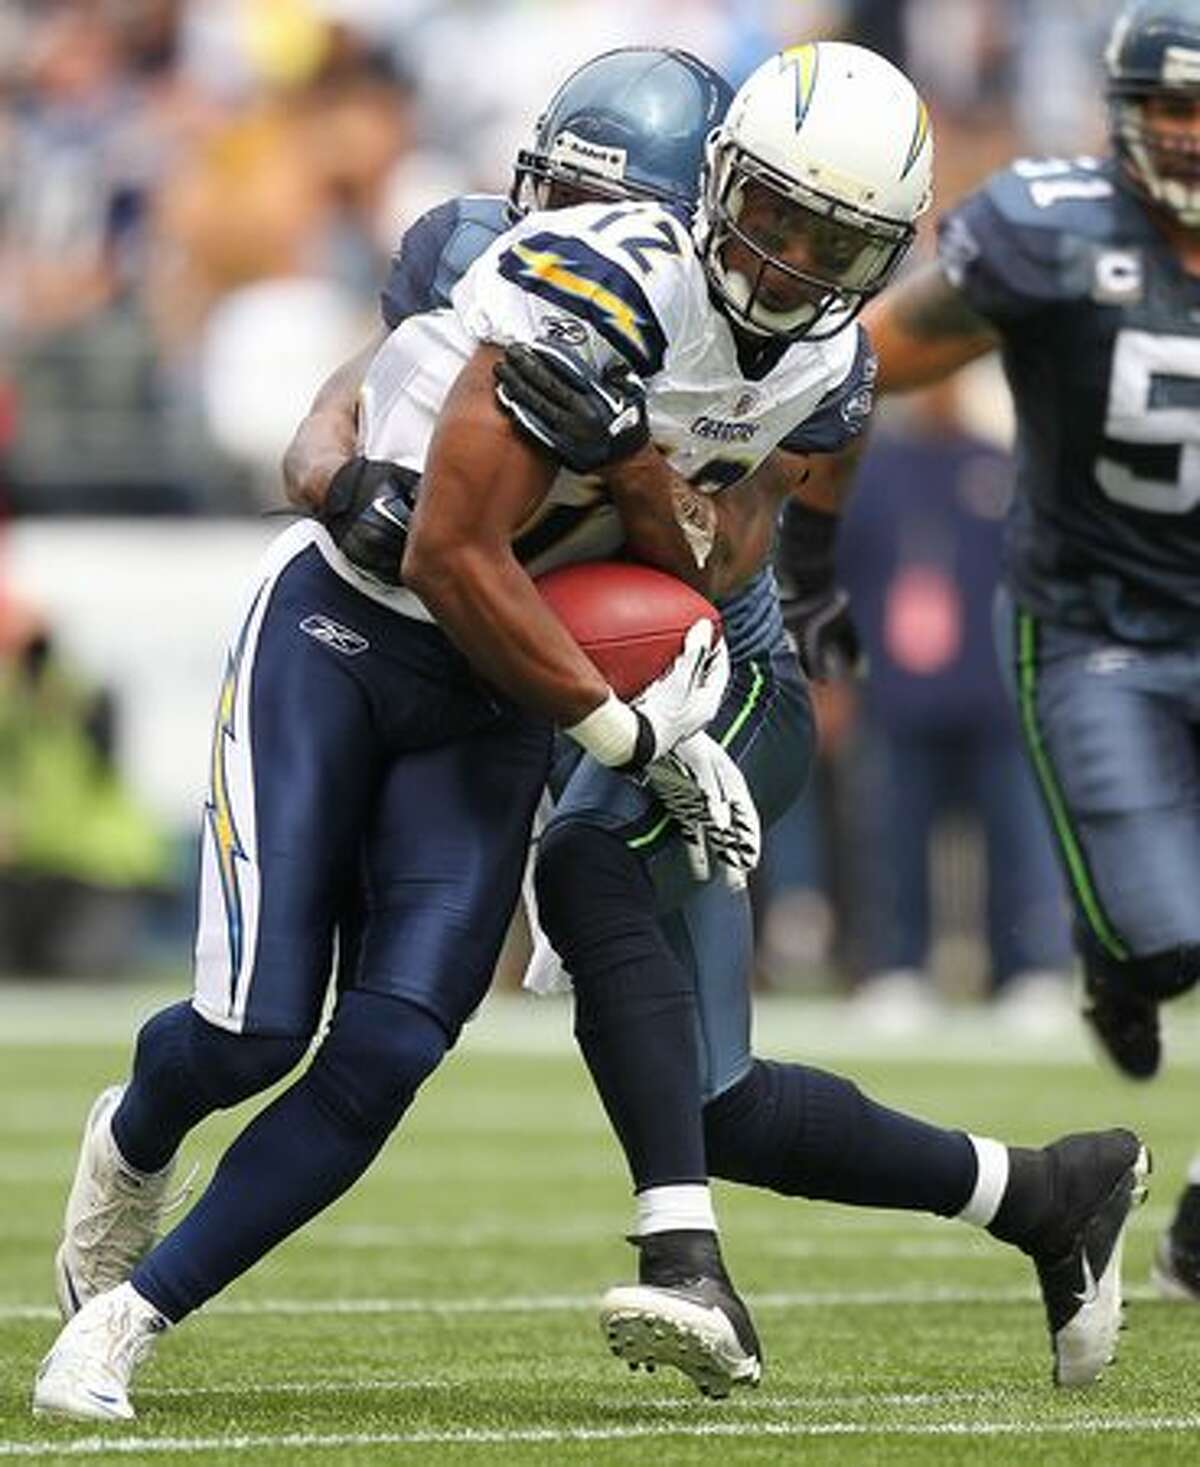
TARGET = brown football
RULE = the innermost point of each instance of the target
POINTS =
(629, 619)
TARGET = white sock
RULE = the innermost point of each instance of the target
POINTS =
(668, 1209)
(147, 1317)
(991, 1181)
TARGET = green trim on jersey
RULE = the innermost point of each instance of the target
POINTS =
(753, 693)
(1080, 877)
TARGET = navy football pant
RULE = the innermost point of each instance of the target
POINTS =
(1113, 734)
(766, 722)
(358, 769)
(787, 1127)
(354, 753)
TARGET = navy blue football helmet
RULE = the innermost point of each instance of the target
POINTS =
(1154, 55)
(630, 123)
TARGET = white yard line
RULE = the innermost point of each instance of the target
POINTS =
(753, 1402)
(565, 1436)
(565, 1303)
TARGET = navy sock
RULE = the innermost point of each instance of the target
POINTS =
(185, 1068)
(806, 1133)
(301, 1153)
(635, 1005)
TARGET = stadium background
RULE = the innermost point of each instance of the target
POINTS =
(197, 201)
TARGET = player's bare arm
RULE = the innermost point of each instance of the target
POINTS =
(482, 480)
(923, 329)
(327, 436)
(714, 542)
(598, 425)
(829, 478)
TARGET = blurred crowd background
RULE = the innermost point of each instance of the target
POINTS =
(197, 203)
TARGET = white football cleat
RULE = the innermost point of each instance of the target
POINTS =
(693, 1328)
(683, 1311)
(113, 1213)
(86, 1374)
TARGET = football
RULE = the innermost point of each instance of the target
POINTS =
(629, 619)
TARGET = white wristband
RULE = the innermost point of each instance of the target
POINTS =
(608, 733)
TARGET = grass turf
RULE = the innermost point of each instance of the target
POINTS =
(443, 1311)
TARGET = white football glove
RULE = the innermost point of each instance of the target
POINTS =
(679, 702)
(685, 698)
(706, 794)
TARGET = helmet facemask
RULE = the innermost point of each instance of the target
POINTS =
(808, 262)
(1163, 160)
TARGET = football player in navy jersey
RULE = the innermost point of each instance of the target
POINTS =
(1085, 274)
(353, 735)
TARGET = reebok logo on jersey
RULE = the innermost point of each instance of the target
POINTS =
(746, 403)
(564, 330)
(334, 635)
(857, 409)
(958, 250)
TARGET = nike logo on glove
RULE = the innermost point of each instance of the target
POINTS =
(382, 505)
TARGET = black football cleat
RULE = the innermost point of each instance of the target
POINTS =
(683, 1311)
(1176, 1267)
(1126, 1025)
(1096, 1180)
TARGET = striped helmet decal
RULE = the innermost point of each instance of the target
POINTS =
(803, 61)
(920, 133)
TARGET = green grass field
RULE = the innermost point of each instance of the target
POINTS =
(444, 1311)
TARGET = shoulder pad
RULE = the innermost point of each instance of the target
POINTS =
(437, 251)
(1028, 238)
(842, 413)
(627, 271)
(1071, 196)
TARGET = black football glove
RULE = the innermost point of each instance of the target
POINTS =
(366, 511)
(588, 421)
(815, 609)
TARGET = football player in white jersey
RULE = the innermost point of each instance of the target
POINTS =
(370, 701)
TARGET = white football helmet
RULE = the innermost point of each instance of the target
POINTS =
(812, 189)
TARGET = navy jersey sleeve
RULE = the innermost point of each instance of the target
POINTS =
(1018, 245)
(842, 413)
(436, 252)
